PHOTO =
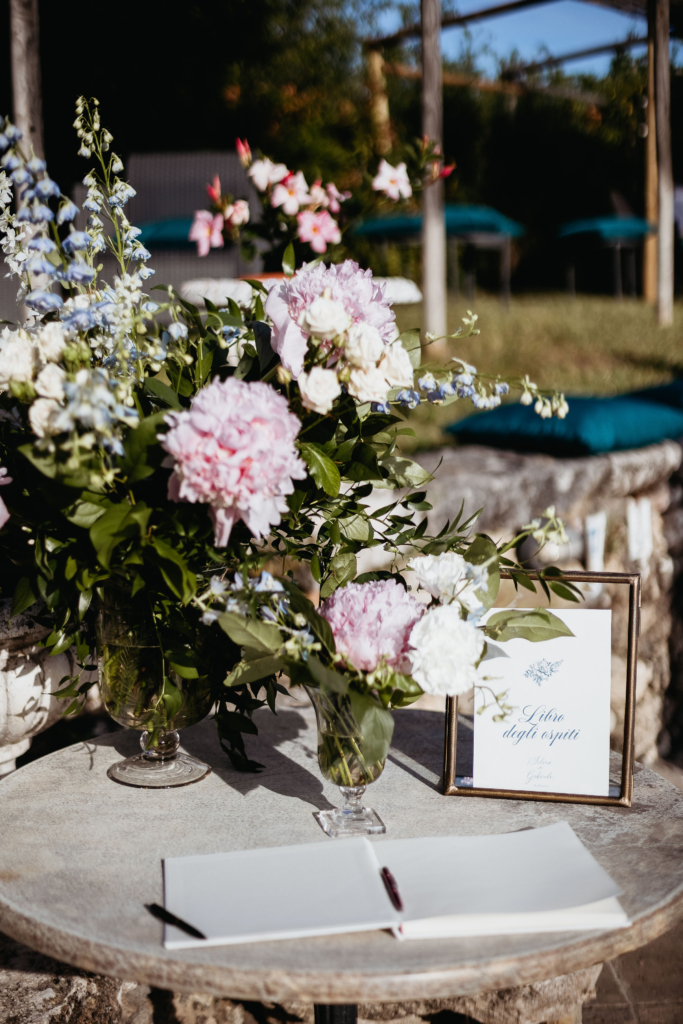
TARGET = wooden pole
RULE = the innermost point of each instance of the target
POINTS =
(379, 102)
(665, 237)
(433, 214)
(651, 199)
(28, 111)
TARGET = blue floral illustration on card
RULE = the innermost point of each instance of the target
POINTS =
(543, 670)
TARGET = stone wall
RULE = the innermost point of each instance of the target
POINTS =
(514, 488)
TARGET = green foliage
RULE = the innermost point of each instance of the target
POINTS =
(537, 625)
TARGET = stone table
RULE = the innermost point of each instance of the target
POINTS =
(81, 856)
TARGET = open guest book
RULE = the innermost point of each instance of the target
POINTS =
(537, 880)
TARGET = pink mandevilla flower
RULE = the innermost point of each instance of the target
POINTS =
(4, 479)
(237, 213)
(206, 231)
(234, 451)
(371, 621)
(214, 190)
(291, 193)
(243, 151)
(318, 229)
(335, 197)
(362, 299)
(393, 181)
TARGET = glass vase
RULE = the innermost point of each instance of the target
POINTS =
(343, 759)
(141, 692)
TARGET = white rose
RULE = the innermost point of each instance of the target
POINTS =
(16, 360)
(446, 652)
(368, 385)
(319, 388)
(396, 366)
(448, 576)
(325, 318)
(49, 382)
(41, 416)
(51, 342)
(364, 346)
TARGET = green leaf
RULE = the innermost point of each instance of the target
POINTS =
(356, 528)
(120, 522)
(376, 726)
(23, 597)
(263, 636)
(264, 349)
(320, 626)
(321, 468)
(251, 671)
(411, 342)
(343, 568)
(482, 549)
(289, 260)
(84, 513)
(404, 472)
(134, 463)
(162, 392)
(243, 367)
(172, 698)
(174, 569)
(536, 625)
(326, 678)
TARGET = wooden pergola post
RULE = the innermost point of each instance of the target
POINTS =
(28, 110)
(379, 101)
(433, 214)
(651, 197)
(665, 237)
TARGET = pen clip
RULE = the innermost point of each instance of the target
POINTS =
(392, 888)
(167, 917)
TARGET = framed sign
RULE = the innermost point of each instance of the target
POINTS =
(542, 718)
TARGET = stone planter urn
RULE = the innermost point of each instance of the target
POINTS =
(29, 676)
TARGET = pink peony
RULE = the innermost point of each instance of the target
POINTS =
(361, 297)
(4, 479)
(206, 231)
(318, 229)
(234, 450)
(371, 621)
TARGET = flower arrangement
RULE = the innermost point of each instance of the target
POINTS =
(165, 460)
(296, 213)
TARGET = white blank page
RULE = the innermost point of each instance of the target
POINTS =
(276, 893)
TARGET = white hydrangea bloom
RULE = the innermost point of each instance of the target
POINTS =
(325, 319)
(448, 577)
(364, 346)
(17, 361)
(368, 385)
(446, 650)
(51, 342)
(319, 388)
(50, 382)
(42, 415)
(396, 366)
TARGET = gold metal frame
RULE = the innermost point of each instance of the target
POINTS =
(632, 580)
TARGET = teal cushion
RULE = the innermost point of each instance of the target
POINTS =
(592, 426)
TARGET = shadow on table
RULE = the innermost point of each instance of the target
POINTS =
(280, 774)
(420, 736)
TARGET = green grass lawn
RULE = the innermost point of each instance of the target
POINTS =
(588, 345)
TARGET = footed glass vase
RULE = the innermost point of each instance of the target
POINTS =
(141, 692)
(342, 760)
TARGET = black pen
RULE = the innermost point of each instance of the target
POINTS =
(392, 888)
(168, 918)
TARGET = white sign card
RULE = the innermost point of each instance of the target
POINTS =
(557, 738)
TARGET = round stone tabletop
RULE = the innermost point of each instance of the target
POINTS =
(81, 855)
